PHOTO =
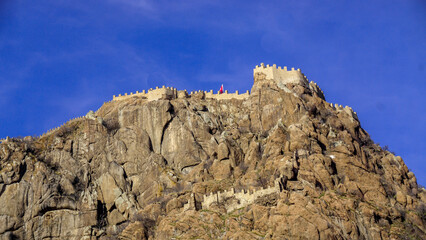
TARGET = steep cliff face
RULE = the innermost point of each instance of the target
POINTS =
(139, 169)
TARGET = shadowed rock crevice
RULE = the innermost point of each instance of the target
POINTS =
(101, 215)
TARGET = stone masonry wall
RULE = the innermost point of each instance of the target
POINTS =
(243, 197)
(151, 94)
(50, 130)
(282, 75)
(173, 93)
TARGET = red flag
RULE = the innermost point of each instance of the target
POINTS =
(221, 89)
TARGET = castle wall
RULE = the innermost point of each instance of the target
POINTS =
(281, 75)
(162, 93)
(50, 130)
(346, 109)
(57, 128)
(226, 95)
(242, 198)
(173, 93)
(151, 94)
(190, 204)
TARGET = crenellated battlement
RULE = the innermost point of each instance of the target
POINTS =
(346, 109)
(152, 94)
(4, 139)
(281, 75)
(172, 93)
(243, 198)
(57, 128)
(226, 95)
(48, 132)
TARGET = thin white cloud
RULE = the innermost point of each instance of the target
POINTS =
(146, 8)
(8, 90)
(138, 4)
(165, 7)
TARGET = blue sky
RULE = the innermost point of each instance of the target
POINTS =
(59, 59)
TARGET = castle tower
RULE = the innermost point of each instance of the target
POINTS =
(280, 75)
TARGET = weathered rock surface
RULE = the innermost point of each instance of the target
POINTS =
(129, 170)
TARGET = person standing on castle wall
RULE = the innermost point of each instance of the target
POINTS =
(221, 89)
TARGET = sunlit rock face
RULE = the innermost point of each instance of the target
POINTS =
(277, 163)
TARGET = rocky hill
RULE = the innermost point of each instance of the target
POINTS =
(281, 163)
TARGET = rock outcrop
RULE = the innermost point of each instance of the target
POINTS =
(140, 169)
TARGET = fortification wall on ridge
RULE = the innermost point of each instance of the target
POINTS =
(227, 95)
(48, 132)
(281, 75)
(243, 198)
(151, 94)
(346, 109)
(173, 93)
(57, 128)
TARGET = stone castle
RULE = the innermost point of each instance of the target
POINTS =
(280, 75)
